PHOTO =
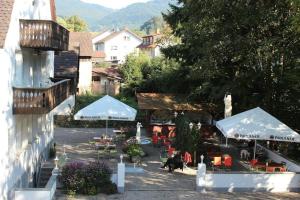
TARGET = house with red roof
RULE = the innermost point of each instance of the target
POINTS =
(115, 45)
(106, 80)
(150, 45)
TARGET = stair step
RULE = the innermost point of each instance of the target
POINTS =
(45, 174)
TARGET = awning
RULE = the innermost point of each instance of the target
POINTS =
(107, 108)
(256, 124)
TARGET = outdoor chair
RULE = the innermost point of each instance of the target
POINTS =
(154, 139)
(187, 158)
(156, 129)
(166, 142)
(227, 161)
(171, 151)
(217, 162)
(270, 169)
(253, 162)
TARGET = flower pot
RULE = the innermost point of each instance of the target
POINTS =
(135, 159)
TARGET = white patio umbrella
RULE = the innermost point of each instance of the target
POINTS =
(256, 124)
(106, 108)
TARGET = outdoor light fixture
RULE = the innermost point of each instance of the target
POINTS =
(175, 114)
(182, 113)
(191, 125)
(199, 125)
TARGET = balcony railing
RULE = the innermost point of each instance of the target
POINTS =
(43, 35)
(40, 100)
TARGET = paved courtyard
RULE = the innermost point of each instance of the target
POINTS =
(154, 183)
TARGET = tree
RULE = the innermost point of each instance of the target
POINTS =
(73, 23)
(248, 48)
(153, 25)
(132, 70)
(143, 74)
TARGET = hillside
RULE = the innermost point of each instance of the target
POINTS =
(99, 17)
(135, 15)
(91, 13)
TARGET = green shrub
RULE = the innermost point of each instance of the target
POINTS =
(135, 150)
(90, 179)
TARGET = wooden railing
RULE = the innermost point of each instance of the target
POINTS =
(40, 100)
(43, 35)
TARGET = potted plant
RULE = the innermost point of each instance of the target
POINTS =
(135, 152)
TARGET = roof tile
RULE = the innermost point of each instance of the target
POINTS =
(6, 7)
(84, 41)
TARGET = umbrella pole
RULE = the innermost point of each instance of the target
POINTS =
(226, 142)
(254, 151)
(106, 122)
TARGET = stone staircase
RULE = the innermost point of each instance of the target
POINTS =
(45, 174)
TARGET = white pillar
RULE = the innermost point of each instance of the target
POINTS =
(121, 178)
(200, 178)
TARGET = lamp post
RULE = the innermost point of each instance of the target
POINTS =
(199, 125)
(175, 114)
(191, 125)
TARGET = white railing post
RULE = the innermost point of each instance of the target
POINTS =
(121, 177)
(200, 178)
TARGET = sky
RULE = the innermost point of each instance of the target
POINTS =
(114, 4)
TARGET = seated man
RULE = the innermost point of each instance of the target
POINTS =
(174, 163)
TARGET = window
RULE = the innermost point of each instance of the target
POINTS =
(114, 58)
(114, 47)
(126, 38)
(151, 40)
(96, 78)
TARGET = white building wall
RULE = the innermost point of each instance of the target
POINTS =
(19, 151)
(124, 47)
(100, 37)
(85, 76)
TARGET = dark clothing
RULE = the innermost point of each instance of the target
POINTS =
(174, 163)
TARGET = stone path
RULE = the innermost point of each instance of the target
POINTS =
(155, 183)
(159, 179)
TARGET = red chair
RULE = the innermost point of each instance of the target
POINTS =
(253, 162)
(163, 137)
(187, 158)
(154, 139)
(270, 169)
(171, 151)
(227, 161)
(166, 142)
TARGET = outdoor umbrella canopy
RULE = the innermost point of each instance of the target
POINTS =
(256, 124)
(106, 108)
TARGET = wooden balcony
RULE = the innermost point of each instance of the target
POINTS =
(43, 35)
(40, 100)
